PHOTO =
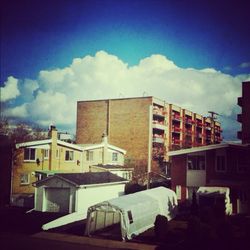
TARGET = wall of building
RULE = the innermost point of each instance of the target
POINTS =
(92, 121)
(40, 194)
(125, 120)
(22, 166)
(90, 195)
(179, 173)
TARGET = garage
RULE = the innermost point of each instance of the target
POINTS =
(57, 199)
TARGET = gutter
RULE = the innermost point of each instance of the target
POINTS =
(102, 184)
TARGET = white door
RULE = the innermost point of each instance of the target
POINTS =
(57, 200)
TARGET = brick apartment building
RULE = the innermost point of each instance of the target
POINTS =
(132, 123)
(243, 118)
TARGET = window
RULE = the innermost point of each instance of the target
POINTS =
(46, 153)
(196, 162)
(89, 155)
(130, 217)
(220, 163)
(178, 192)
(243, 163)
(24, 179)
(69, 155)
(29, 154)
(114, 156)
(57, 153)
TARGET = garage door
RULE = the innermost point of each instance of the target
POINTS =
(57, 200)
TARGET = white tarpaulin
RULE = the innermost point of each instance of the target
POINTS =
(135, 212)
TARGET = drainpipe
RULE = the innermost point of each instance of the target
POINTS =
(149, 144)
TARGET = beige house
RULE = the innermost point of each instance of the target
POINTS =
(38, 159)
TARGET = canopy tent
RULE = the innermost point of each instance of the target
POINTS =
(134, 212)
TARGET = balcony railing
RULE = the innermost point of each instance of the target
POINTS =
(176, 117)
(176, 129)
(159, 126)
(239, 118)
(240, 101)
(239, 135)
(159, 111)
(158, 138)
(189, 121)
(199, 124)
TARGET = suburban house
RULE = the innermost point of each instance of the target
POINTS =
(36, 160)
(102, 153)
(221, 165)
(124, 172)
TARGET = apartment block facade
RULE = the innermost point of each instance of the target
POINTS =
(133, 123)
(243, 118)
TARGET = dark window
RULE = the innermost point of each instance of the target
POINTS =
(69, 155)
(196, 162)
(130, 217)
(29, 154)
(220, 163)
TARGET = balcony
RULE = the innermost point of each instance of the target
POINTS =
(176, 141)
(240, 101)
(157, 111)
(239, 118)
(176, 129)
(199, 124)
(159, 125)
(189, 121)
(158, 153)
(188, 132)
(158, 138)
(176, 117)
(239, 135)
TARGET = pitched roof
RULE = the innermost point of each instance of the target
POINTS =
(100, 145)
(84, 179)
(44, 143)
(112, 167)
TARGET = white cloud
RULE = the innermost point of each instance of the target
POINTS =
(55, 92)
(10, 89)
(18, 111)
(245, 65)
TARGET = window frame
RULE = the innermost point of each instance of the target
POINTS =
(199, 162)
(24, 175)
(29, 159)
(114, 156)
(46, 154)
(69, 159)
(89, 155)
(220, 169)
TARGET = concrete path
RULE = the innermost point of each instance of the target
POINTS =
(91, 241)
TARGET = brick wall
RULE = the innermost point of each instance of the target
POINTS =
(125, 120)
(91, 121)
(178, 173)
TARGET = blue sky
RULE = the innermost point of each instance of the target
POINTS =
(49, 35)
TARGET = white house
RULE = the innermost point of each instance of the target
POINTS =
(124, 172)
(102, 153)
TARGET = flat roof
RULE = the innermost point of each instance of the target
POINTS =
(114, 99)
(204, 148)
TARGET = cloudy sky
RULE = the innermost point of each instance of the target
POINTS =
(54, 53)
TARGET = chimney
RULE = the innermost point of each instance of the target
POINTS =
(105, 149)
(53, 147)
(104, 138)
